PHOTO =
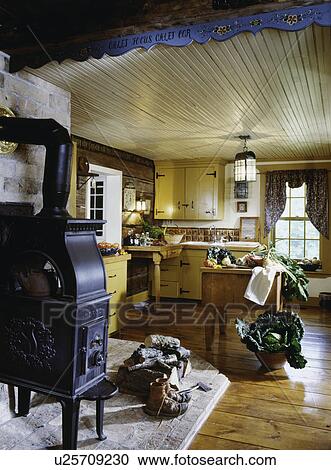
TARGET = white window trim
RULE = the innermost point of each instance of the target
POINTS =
(112, 205)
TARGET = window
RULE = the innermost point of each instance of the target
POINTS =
(97, 202)
(295, 235)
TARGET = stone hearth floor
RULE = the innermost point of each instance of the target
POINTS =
(125, 423)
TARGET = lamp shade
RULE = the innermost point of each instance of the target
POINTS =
(245, 166)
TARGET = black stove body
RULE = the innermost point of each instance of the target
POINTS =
(53, 299)
(57, 342)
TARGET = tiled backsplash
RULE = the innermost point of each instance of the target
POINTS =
(195, 234)
(205, 234)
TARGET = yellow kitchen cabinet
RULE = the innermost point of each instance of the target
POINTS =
(170, 278)
(189, 191)
(169, 193)
(191, 203)
(204, 193)
(116, 275)
(190, 276)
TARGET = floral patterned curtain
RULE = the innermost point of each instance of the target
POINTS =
(316, 201)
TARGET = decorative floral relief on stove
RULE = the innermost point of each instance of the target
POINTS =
(28, 343)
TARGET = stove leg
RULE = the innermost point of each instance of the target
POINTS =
(24, 397)
(100, 408)
(70, 418)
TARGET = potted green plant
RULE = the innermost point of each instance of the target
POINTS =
(275, 337)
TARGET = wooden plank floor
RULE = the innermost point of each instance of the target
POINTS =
(285, 409)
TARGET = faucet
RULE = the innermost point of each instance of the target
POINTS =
(213, 228)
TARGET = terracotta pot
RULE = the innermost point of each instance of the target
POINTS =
(272, 361)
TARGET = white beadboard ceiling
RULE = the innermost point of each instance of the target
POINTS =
(193, 102)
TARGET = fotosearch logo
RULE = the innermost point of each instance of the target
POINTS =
(152, 314)
(185, 314)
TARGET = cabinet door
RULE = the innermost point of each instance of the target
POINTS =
(192, 177)
(207, 186)
(191, 262)
(169, 193)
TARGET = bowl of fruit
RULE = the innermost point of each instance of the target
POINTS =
(108, 249)
(310, 264)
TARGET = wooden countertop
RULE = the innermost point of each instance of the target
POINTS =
(226, 270)
(153, 248)
(185, 246)
(116, 259)
(230, 271)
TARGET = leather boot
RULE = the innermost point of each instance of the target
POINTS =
(173, 393)
(159, 404)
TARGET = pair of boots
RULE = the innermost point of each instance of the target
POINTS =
(164, 400)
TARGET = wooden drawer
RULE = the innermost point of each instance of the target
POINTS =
(169, 273)
(169, 289)
(116, 281)
(113, 321)
(171, 262)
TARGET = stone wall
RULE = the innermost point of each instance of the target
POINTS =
(21, 172)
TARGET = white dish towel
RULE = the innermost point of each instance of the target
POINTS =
(260, 284)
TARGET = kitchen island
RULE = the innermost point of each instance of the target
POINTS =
(175, 268)
(223, 293)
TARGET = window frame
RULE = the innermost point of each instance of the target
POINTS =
(290, 219)
(100, 233)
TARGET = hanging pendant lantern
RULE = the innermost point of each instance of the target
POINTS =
(245, 163)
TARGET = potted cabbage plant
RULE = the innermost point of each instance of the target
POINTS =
(275, 337)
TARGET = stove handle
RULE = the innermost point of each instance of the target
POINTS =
(83, 352)
(83, 356)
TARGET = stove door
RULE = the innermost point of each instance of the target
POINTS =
(91, 364)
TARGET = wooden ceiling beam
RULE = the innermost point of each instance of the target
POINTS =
(45, 37)
(140, 16)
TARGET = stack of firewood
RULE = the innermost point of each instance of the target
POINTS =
(159, 357)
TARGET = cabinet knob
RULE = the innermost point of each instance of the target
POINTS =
(112, 293)
(112, 276)
(178, 205)
(192, 205)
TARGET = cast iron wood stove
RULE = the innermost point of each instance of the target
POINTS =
(53, 299)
